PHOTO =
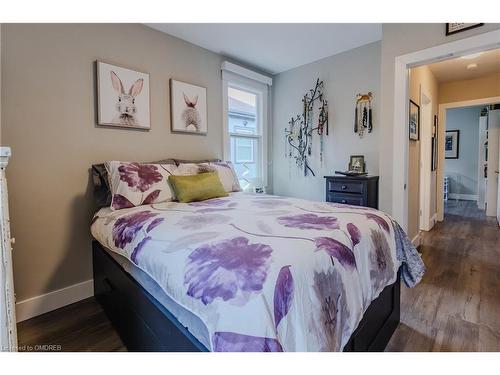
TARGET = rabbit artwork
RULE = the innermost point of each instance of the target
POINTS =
(190, 115)
(125, 106)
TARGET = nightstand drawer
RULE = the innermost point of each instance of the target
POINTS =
(354, 187)
(354, 200)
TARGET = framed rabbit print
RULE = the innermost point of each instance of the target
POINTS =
(188, 108)
(122, 97)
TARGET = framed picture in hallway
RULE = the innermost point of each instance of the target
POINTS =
(451, 143)
(414, 121)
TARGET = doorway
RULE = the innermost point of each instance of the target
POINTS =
(463, 47)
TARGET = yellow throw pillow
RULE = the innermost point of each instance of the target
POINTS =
(198, 187)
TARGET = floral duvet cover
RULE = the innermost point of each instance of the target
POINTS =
(265, 273)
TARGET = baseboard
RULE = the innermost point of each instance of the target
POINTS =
(434, 219)
(38, 305)
(463, 197)
(416, 240)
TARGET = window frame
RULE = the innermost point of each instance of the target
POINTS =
(261, 90)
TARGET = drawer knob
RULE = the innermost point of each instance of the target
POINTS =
(344, 201)
(344, 187)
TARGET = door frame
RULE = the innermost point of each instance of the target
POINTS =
(426, 119)
(402, 65)
(441, 135)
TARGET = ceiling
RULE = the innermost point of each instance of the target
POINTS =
(456, 69)
(274, 48)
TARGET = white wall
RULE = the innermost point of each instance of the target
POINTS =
(345, 75)
(462, 172)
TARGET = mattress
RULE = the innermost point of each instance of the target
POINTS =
(190, 321)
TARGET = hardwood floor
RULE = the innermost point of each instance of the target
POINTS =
(80, 327)
(455, 308)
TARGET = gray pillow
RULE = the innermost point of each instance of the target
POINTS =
(184, 161)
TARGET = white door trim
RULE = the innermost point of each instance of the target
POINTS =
(402, 63)
(425, 160)
(442, 132)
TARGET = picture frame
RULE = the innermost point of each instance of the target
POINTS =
(357, 163)
(123, 96)
(188, 108)
(434, 144)
(414, 121)
(458, 27)
(452, 144)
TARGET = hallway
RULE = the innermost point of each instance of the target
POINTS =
(456, 307)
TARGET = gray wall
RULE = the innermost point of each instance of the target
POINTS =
(48, 118)
(345, 75)
(462, 172)
(399, 39)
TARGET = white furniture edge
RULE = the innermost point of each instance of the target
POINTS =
(39, 305)
(481, 42)
(8, 328)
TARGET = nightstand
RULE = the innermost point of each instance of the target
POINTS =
(356, 191)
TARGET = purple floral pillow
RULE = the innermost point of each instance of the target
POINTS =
(224, 169)
(136, 184)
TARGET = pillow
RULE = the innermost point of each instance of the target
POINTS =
(198, 187)
(225, 170)
(100, 180)
(183, 161)
(226, 173)
(136, 184)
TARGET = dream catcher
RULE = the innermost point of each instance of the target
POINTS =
(363, 119)
(299, 134)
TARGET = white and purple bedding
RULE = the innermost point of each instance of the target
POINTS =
(265, 273)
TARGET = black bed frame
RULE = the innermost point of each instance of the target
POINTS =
(146, 325)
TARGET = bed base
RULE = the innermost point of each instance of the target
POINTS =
(146, 325)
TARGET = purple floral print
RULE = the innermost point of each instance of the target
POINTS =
(355, 233)
(333, 311)
(227, 268)
(138, 249)
(126, 227)
(283, 294)
(381, 222)
(139, 176)
(120, 202)
(209, 202)
(154, 224)
(236, 342)
(309, 221)
(151, 198)
(337, 250)
(381, 259)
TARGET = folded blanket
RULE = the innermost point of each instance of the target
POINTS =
(412, 266)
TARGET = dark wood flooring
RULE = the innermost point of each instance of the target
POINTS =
(455, 308)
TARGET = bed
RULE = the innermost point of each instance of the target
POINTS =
(251, 272)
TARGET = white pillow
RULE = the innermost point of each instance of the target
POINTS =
(224, 169)
(135, 184)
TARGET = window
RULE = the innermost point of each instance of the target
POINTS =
(245, 138)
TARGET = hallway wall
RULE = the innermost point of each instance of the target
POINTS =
(462, 172)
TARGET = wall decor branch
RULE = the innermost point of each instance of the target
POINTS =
(363, 119)
(300, 130)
